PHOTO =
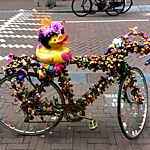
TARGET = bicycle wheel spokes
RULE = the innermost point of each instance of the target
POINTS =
(81, 7)
(116, 7)
(12, 115)
(132, 112)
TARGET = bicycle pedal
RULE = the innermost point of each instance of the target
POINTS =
(93, 124)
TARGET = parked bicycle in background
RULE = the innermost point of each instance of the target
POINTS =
(82, 8)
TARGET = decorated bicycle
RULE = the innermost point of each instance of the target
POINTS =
(36, 92)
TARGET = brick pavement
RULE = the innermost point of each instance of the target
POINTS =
(86, 38)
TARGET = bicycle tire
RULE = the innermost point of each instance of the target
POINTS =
(126, 8)
(18, 126)
(83, 12)
(113, 11)
(135, 127)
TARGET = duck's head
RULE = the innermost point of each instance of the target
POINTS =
(52, 34)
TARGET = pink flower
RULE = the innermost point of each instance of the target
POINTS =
(58, 68)
(67, 56)
(9, 58)
(145, 35)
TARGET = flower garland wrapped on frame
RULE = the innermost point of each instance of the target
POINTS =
(110, 62)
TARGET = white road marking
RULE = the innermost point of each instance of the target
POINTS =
(19, 21)
(32, 19)
(87, 21)
(16, 26)
(2, 40)
(9, 11)
(107, 21)
(19, 36)
(16, 46)
(23, 23)
(7, 32)
(22, 29)
(6, 24)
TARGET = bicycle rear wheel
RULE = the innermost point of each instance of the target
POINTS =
(132, 113)
(13, 117)
(116, 7)
(128, 4)
(81, 8)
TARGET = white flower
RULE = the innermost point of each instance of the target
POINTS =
(117, 42)
(1, 58)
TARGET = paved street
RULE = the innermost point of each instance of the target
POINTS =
(88, 35)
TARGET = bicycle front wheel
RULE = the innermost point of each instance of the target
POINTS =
(12, 115)
(81, 8)
(128, 5)
(132, 113)
(116, 7)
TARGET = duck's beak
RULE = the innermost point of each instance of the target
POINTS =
(62, 39)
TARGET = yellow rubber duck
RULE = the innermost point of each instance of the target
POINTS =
(52, 48)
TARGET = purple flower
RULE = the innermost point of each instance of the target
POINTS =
(47, 31)
(145, 35)
(40, 33)
(56, 27)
